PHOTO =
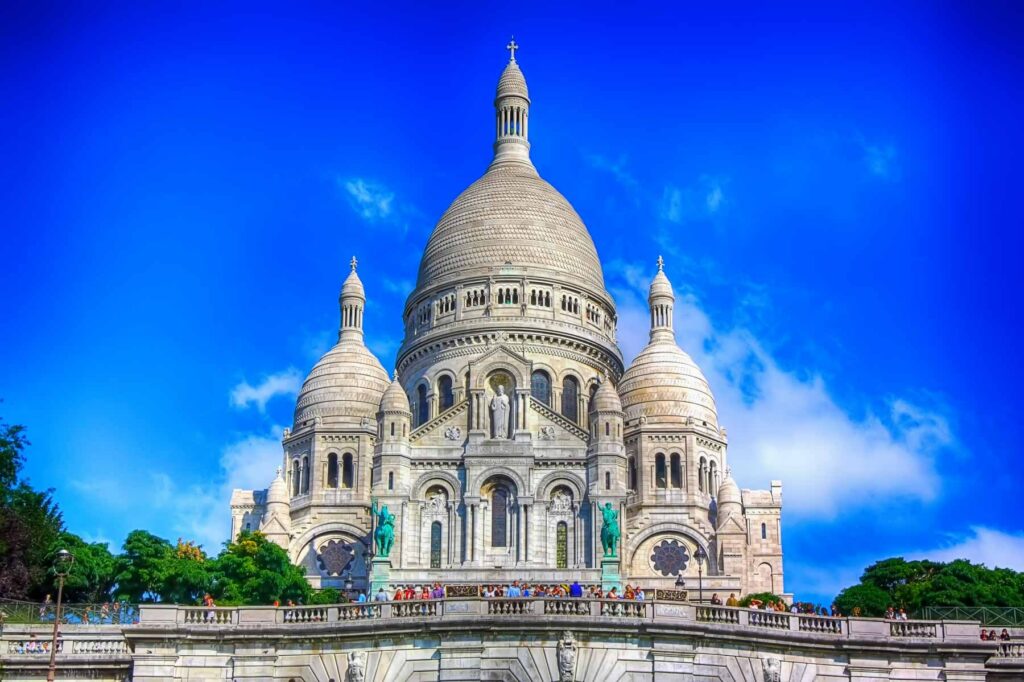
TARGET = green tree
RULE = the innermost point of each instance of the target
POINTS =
(143, 566)
(253, 570)
(29, 522)
(92, 574)
(871, 599)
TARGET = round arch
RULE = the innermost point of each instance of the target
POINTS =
(441, 478)
(667, 528)
(556, 478)
(480, 376)
(492, 472)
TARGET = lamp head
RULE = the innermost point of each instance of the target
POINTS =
(62, 562)
(700, 555)
(680, 583)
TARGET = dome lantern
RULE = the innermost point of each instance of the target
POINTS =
(662, 301)
(512, 113)
(352, 300)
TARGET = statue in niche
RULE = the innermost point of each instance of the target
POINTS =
(437, 503)
(499, 413)
(566, 657)
(560, 502)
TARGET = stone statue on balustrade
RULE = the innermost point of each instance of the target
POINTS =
(609, 529)
(384, 535)
(566, 657)
(499, 413)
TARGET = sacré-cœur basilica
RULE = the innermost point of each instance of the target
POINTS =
(511, 421)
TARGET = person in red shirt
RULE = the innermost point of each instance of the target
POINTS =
(399, 594)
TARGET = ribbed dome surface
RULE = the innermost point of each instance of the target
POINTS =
(665, 385)
(343, 387)
(512, 82)
(511, 216)
(394, 399)
(606, 399)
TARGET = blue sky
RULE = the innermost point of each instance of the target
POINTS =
(835, 190)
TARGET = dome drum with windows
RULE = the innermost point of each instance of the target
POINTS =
(511, 417)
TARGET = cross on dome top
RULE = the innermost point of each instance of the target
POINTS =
(512, 47)
(661, 264)
(353, 263)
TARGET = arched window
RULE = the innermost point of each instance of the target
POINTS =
(702, 475)
(540, 386)
(392, 429)
(445, 393)
(422, 406)
(391, 480)
(632, 473)
(607, 480)
(332, 470)
(347, 473)
(435, 544)
(607, 428)
(660, 480)
(562, 545)
(295, 477)
(571, 399)
(677, 471)
(764, 531)
(499, 508)
(305, 475)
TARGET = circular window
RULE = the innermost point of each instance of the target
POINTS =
(669, 557)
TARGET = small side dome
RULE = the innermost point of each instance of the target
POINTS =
(278, 490)
(606, 399)
(394, 399)
(343, 388)
(729, 492)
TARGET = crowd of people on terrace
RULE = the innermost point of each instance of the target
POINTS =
(515, 590)
(990, 635)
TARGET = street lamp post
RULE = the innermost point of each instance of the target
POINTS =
(701, 556)
(61, 567)
(680, 583)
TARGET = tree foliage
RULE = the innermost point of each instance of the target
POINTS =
(253, 570)
(30, 522)
(913, 585)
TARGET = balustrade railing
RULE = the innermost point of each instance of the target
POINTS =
(208, 615)
(718, 614)
(413, 609)
(914, 628)
(775, 620)
(821, 624)
(367, 611)
(509, 607)
(622, 608)
(31, 646)
(304, 614)
(1010, 650)
(567, 607)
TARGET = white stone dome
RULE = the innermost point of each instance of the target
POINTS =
(729, 492)
(277, 493)
(512, 218)
(345, 386)
(606, 399)
(665, 386)
(394, 399)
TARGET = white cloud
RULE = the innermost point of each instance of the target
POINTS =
(701, 200)
(617, 169)
(372, 201)
(880, 159)
(202, 511)
(994, 548)
(402, 287)
(286, 383)
(784, 425)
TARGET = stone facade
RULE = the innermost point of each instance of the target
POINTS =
(511, 417)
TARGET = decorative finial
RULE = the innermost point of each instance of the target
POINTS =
(395, 374)
(279, 471)
(512, 47)
(661, 263)
(353, 263)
